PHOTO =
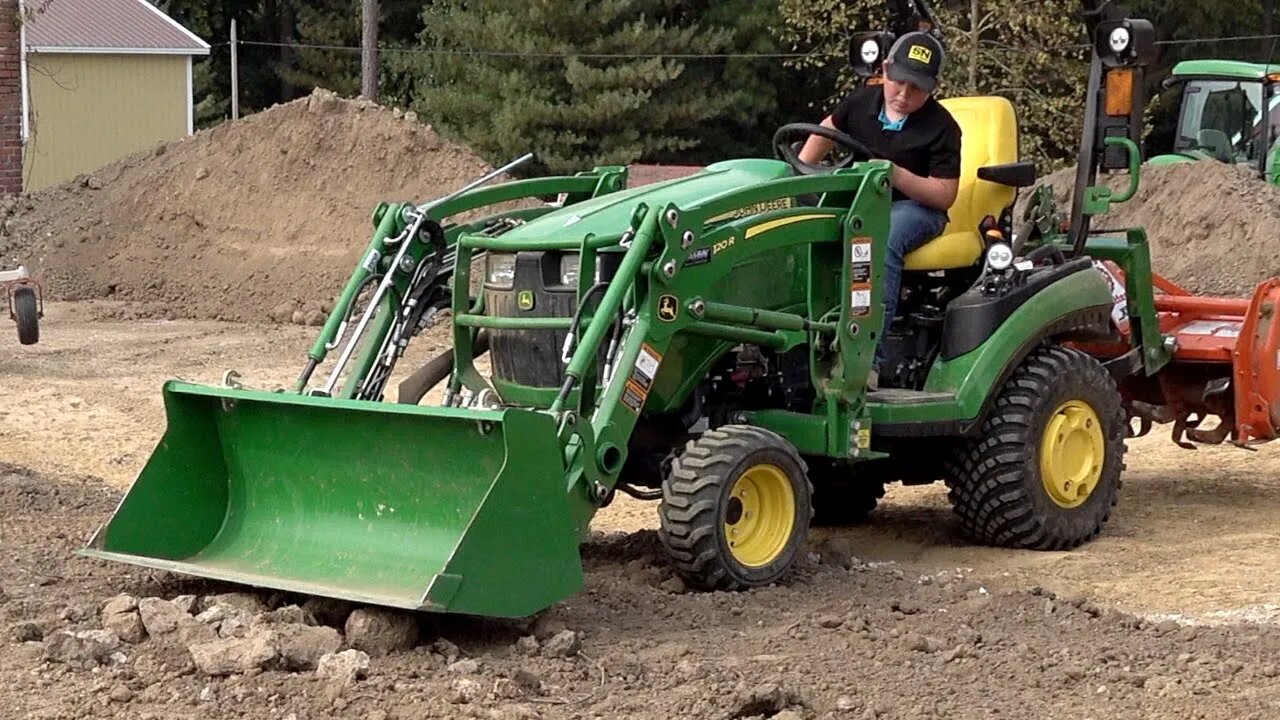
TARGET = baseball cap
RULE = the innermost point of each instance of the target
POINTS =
(916, 58)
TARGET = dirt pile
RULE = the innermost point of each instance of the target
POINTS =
(259, 217)
(1213, 228)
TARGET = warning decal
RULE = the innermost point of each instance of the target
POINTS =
(646, 367)
(861, 248)
(860, 260)
(860, 299)
(641, 380)
(1217, 328)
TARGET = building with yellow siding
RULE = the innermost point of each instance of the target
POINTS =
(101, 79)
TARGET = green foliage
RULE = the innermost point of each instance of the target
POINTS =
(552, 97)
(1033, 52)
(335, 24)
(331, 23)
(822, 29)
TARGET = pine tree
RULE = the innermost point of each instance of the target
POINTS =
(546, 89)
(333, 24)
(336, 26)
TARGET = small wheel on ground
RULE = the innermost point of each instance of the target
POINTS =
(735, 510)
(1045, 471)
(27, 314)
(840, 496)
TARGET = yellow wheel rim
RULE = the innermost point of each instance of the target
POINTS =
(760, 515)
(1072, 452)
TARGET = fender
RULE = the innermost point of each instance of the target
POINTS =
(960, 390)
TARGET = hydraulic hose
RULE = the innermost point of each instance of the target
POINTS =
(413, 388)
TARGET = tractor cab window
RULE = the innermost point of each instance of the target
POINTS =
(1224, 119)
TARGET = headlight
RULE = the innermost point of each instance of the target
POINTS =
(500, 270)
(870, 52)
(569, 269)
(999, 256)
(1120, 38)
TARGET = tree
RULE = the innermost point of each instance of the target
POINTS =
(336, 27)
(1033, 52)
(582, 82)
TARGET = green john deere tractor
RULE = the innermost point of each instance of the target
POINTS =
(1230, 112)
(703, 342)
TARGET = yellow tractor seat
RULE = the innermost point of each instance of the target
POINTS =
(989, 177)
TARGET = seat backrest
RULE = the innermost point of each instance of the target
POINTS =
(989, 128)
(989, 131)
(1216, 142)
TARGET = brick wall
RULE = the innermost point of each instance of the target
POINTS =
(10, 99)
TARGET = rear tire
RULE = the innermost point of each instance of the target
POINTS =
(1046, 472)
(26, 312)
(735, 509)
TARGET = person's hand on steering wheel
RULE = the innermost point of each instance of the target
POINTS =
(786, 151)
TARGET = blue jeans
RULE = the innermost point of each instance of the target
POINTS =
(911, 225)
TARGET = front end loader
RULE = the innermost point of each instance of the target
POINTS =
(704, 342)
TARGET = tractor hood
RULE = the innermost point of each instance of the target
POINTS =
(611, 214)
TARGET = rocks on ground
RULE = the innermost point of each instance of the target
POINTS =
(235, 633)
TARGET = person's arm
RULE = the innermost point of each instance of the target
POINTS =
(936, 192)
(938, 189)
(817, 147)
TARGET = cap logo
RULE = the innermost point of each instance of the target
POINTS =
(920, 53)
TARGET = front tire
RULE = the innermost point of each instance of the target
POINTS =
(1045, 473)
(735, 509)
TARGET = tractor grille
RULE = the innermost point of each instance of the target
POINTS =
(533, 357)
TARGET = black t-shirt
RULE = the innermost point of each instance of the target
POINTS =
(928, 143)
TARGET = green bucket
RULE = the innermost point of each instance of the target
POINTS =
(437, 509)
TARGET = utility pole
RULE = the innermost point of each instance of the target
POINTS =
(235, 73)
(369, 51)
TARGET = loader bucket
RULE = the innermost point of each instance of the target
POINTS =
(437, 509)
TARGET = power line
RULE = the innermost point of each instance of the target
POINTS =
(1189, 41)
(681, 56)
(504, 53)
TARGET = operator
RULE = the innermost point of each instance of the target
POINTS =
(902, 122)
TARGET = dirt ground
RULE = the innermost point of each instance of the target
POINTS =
(1171, 613)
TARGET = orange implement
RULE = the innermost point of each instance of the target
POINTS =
(1257, 367)
(1226, 362)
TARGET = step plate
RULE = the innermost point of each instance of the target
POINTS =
(897, 396)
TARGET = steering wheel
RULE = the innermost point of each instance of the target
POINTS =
(787, 151)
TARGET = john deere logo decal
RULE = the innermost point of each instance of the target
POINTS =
(921, 53)
(525, 300)
(668, 308)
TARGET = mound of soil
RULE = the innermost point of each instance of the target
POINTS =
(1213, 228)
(263, 216)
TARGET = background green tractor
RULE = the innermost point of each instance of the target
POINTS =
(704, 342)
(1230, 112)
